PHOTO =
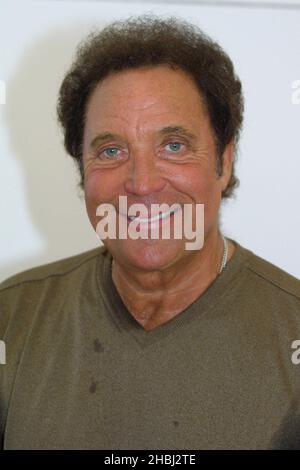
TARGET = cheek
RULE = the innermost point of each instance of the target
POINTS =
(201, 184)
(203, 187)
(98, 189)
(100, 186)
(211, 198)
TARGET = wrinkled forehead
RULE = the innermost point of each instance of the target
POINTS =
(141, 98)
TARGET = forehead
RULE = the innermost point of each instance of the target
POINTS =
(143, 97)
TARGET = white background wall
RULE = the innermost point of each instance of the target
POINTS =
(42, 215)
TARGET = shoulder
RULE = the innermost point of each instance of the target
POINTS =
(267, 291)
(56, 269)
(266, 273)
(46, 289)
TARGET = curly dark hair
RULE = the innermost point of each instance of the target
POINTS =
(149, 40)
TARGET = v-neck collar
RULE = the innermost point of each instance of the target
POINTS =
(216, 292)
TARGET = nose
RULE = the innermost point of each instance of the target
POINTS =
(144, 176)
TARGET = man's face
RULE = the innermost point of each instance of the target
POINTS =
(155, 145)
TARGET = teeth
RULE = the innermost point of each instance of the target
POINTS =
(152, 219)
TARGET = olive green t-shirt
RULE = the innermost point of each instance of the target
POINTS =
(81, 373)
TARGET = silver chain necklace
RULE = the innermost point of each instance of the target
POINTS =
(225, 254)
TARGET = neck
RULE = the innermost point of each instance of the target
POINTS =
(155, 297)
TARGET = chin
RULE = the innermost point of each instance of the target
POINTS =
(147, 255)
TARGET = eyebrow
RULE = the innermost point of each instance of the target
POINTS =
(177, 130)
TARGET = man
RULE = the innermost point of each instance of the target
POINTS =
(145, 344)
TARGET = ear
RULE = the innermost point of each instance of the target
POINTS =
(228, 155)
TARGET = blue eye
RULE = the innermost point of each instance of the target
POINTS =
(174, 146)
(111, 152)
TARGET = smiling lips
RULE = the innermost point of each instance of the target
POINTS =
(149, 220)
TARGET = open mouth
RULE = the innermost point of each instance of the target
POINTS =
(155, 218)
